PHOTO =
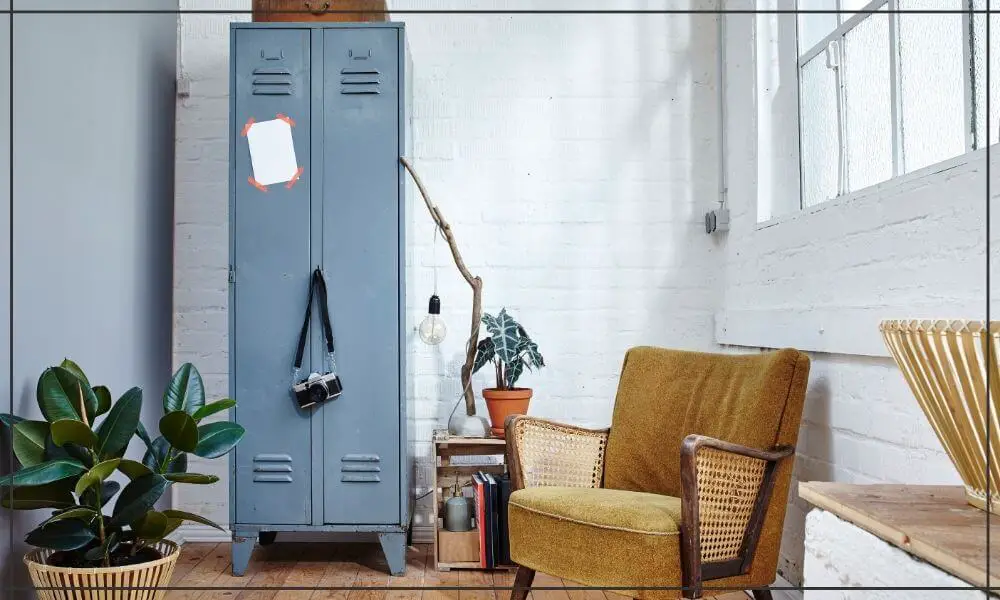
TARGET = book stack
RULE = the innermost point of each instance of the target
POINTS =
(490, 495)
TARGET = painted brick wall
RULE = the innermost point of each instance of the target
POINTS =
(574, 157)
(822, 279)
(841, 555)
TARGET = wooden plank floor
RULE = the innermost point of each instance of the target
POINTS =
(358, 566)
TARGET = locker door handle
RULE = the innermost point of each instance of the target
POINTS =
(317, 11)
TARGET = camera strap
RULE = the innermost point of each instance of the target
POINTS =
(316, 283)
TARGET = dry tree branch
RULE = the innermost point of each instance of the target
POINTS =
(474, 282)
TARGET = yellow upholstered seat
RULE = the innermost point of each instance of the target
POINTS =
(583, 530)
(687, 488)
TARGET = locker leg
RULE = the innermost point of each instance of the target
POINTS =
(242, 549)
(394, 548)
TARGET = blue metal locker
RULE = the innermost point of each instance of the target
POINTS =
(342, 465)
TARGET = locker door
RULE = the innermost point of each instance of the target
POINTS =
(361, 216)
(272, 268)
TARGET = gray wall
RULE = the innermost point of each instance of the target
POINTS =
(92, 208)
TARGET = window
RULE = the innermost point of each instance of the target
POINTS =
(884, 92)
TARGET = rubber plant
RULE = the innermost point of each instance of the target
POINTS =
(509, 348)
(66, 462)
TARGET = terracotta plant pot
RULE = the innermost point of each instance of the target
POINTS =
(503, 403)
(65, 583)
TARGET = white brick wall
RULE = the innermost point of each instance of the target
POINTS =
(841, 555)
(822, 279)
(574, 157)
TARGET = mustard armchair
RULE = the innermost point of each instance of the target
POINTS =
(686, 490)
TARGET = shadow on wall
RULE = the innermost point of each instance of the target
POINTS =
(92, 205)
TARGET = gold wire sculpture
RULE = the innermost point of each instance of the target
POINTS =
(945, 363)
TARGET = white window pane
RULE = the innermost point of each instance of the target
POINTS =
(979, 74)
(868, 102)
(932, 98)
(813, 27)
(820, 154)
(850, 7)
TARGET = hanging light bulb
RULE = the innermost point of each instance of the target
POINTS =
(432, 328)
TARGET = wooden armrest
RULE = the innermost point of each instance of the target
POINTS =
(725, 492)
(542, 452)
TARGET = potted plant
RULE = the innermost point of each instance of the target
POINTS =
(65, 464)
(511, 351)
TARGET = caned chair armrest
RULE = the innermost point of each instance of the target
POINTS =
(543, 453)
(725, 492)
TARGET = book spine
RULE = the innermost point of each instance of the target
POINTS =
(481, 518)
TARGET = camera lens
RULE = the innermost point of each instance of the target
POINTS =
(318, 392)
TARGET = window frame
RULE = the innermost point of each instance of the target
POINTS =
(838, 35)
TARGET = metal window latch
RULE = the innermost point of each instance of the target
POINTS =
(833, 55)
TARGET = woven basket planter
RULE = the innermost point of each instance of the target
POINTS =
(65, 583)
(945, 364)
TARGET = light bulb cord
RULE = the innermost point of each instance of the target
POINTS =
(434, 262)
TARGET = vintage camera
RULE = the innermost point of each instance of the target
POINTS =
(317, 388)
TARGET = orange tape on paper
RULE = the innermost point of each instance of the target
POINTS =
(295, 178)
(257, 184)
(286, 119)
(246, 128)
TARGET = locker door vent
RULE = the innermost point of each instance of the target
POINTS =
(272, 468)
(360, 468)
(272, 81)
(355, 80)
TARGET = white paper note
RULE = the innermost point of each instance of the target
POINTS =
(272, 154)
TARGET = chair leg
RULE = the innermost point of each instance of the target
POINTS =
(762, 594)
(522, 583)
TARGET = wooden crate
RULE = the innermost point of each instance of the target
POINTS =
(445, 475)
(306, 11)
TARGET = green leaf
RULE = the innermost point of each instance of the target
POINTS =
(196, 478)
(98, 553)
(61, 535)
(484, 353)
(155, 457)
(144, 435)
(138, 497)
(52, 495)
(216, 439)
(107, 491)
(43, 473)
(534, 357)
(180, 514)
(82, 513)
(103, 399)
(9, 420)
(69, 451)
(185, 391)
(152, 526)
(491, 322)
(122, 422)
(513, 372)
(172, 525)
(71, 431)
(29, 442)
(133, 469)
(180, 429)
(54, 399)
(96, 475)
(75, 369)
(505, 338)
(213, 407)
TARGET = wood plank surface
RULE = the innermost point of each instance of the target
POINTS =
(934, 523)
(358, 566)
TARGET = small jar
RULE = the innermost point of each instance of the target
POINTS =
(456, 513)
